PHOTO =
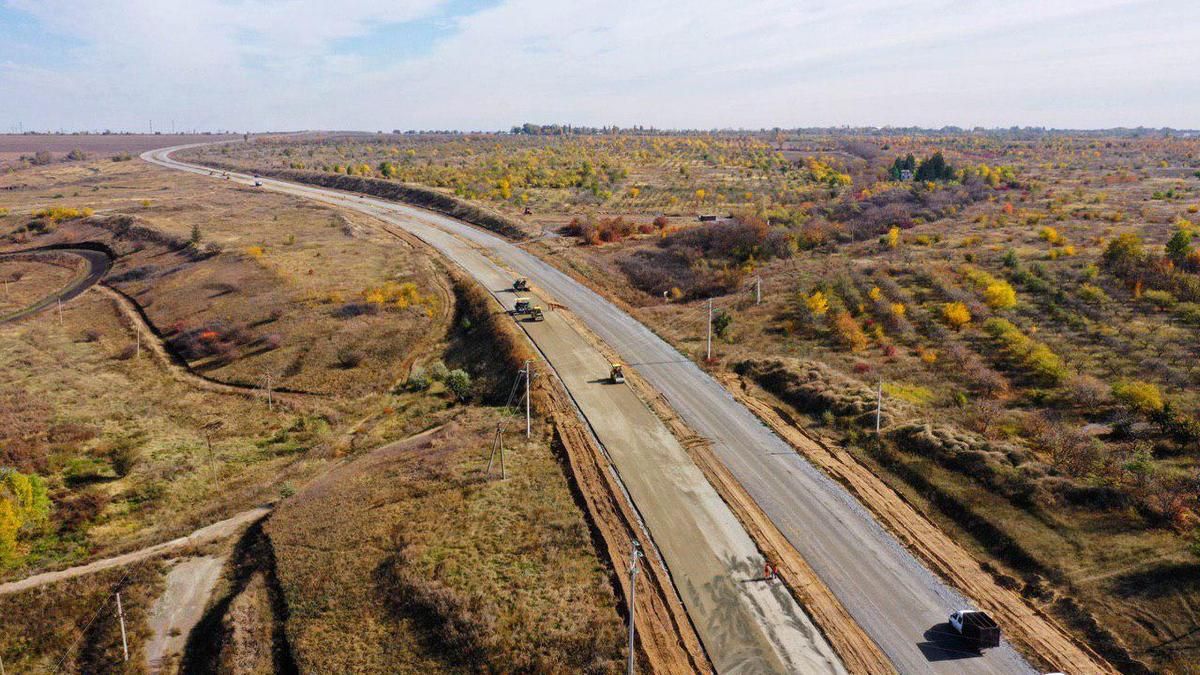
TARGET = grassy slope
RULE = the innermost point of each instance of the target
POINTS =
(406, 560)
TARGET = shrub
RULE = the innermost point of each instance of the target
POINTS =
(418, 379)
(438, 371)
(1093, 295)
(1161, 300)
(60, 213)
(459, 382)
(1000, 295)
(75, 512)
(1087, 391)
(348, 357)
(817, 303)
(1143, 397)
(848, 332)
(956, 314)
(1188, 312)
(721, 323)
(893, 237)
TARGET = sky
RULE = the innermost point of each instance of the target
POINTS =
(370, 65)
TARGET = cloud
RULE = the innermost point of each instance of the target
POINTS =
(295, 63)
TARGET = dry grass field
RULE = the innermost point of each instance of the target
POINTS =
(274, 287)
(410, 556)
(366, 344)
(18, 151)
(1034, 300)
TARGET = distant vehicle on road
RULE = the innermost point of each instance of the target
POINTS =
(521, 284)
(535, 314)
(977, 627)
(522, 306)
(258, 183)
(616, 374)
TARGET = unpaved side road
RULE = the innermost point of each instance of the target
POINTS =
(180, 607)
(96, 265)
(218, 530)
(746, 624)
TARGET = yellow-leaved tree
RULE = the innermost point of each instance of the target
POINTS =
(956, 314)
(817, 303)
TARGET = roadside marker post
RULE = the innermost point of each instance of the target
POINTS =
(121, 616)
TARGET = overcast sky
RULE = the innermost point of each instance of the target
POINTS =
(489, 64)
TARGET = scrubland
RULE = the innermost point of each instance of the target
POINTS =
(1030, 302)
(107, 449)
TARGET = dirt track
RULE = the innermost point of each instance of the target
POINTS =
(218, 530)
(96, 265)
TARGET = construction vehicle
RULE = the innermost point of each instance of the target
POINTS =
(616, 375)
(522, 306)
(536, 314)
(976, 627)
(521, 284)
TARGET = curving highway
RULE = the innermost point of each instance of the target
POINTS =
(896, 600)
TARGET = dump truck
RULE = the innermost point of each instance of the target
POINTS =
(976, 627)
(535, 314)
(522, 306)
(521, 284)
(615, 374)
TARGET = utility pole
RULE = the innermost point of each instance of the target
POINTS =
(757, 290)
(708, 356)
(878, 408)
(633, 572)
(527, 430)
(121, 615)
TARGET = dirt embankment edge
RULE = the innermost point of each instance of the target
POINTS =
(667, 641)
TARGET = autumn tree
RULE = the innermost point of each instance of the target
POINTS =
(956, 314)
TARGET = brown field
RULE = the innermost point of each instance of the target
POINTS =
(24, 282)
(96, 146)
